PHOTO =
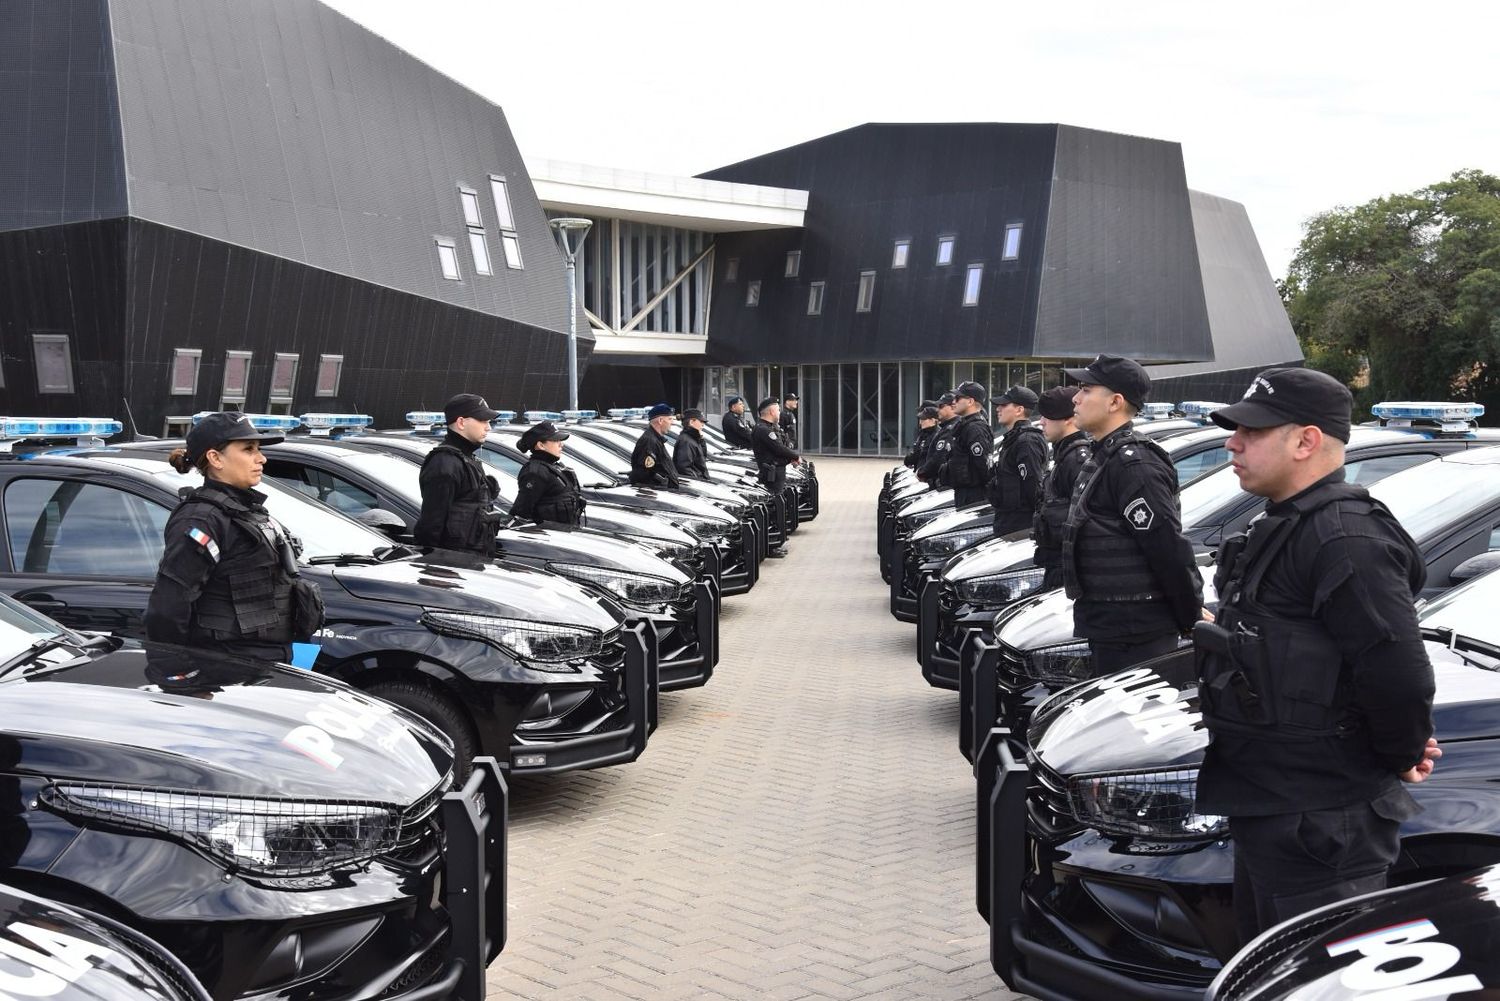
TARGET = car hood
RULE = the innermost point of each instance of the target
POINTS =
(182, 718)
(59, 952)
(665, 503)
(1046, 619)
(918, 498)
(981, 516)
(634, 524)
(1433, 940)
(569, 544)
(1148, 717)
(989, 557)
(461, 582)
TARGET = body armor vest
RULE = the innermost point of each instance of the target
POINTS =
(1005, 479)
(1266, 675)
(471, 522)
(249, 594)
(563, 502)
(1101, 558)
(1051, 516)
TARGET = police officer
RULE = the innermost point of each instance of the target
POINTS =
(650, 465)
(458, 497)
(933, 468)
(772, 457)
(788, 420)
(927, 418)
(228, 573)
(1070, 450)
(1015, 480)
(1126, 564)
(972, 441)
(549, 491)
(1314, 683)
(735, 426)
(689, 453)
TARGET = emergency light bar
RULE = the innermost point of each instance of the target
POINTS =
(580, 415)
(1198, 408)
(324, 425)
(261, 422)
(503, 417)
(1428, 411)
(86, 430)
(542, 415)
(1156, 411)
(628, 413)
(424, 419)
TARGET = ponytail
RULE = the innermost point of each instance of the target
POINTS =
(179, 461)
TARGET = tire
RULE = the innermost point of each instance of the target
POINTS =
(441, 712)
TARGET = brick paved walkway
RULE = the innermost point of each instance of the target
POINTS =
(799, 828)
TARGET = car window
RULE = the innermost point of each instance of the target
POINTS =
(322, 486)
(72, 527)
(1194, 466)
(1367, 471)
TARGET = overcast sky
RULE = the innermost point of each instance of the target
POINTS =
(1290, 108)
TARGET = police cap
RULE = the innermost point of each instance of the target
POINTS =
(1019, 395)
(733, 400)
(946, 400)
(972, 390)
(468, 405)
(1117, 374)
(790, 397)
(929, 413)
(769, 401)
(1291, 396)
(542, 431)
(693, 414)
(215, 431)
(660, 410)
(926, 404)
(1056, 404)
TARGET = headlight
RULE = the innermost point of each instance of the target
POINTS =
(630, 587)
(1000, 588)
(704, 528)
(1061, 664)
(669, 550)
(916, 521)
(539, 642)
(1146, 804)
(277, 837)
(951, 542)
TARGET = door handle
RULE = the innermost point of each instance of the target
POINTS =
(44, 603)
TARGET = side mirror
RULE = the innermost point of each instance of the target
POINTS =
(1474, 566)
(382, 521)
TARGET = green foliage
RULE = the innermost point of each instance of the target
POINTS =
(1400, 297)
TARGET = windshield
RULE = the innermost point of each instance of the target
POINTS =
(1437, 494)
(598, 456)
(1468, 610)
(401, 475)
(1205, 499)
(20, 627)
(590, 472)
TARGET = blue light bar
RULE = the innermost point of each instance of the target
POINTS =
(261, 422)
(425, 418)
(1408, 411)
(58, 427)
(337, 420)
(542, 415)
(1154, 411)
(1198, 408)
(628, 413)
(580, 415)
(503, 417)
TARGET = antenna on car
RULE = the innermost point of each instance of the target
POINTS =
(135, 432)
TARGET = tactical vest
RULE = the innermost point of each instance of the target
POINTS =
(1005, 478)
(1101, 558)
(564, 503)
(249, 594)
(1264, 675)
(966, 469)
(471, 522)
(1051, 517)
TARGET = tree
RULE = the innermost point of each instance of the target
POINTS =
(1400, 297)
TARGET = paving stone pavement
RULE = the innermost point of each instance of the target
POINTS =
(801, 827)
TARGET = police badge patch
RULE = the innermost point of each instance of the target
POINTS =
(1139, 514)
(650, 461)
(978, 449)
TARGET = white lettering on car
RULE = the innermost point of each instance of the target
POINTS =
(1373, 980)
(345, 715)
(56, 961)
(1131, 692)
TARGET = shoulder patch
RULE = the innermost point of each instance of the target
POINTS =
(1139, 514)
(977, 449)
(650, 461)
(205, 540)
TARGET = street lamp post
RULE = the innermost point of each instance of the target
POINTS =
(564, 228)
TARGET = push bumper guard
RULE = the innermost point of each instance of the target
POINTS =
(903, 603)
(978, 693)
(691, 672)
(742, 580)
(940, 670)
(474, 884)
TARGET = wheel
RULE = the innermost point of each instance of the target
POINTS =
(441, 712)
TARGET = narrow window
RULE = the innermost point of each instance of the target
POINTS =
(481, 251)
(815, 299)
(470, 201)
(236, 376)
(330, 370)
(732, 269)
(448, 259)
(54, 363)
(898, 256)
(1012, 242)
(503, 216)
(866, 292)
(793, 263)
(512, 248)
(510, 241)
(971, 284)
(185, 365)
(283, 378)
(752, 293)
(945, 249)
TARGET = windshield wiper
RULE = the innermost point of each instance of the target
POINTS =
(387, 553)
(1458, 643)
(366, 559)
(39, 647)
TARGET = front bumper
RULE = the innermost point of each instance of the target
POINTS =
(1076, 915)
(740, 559)
(943, 626)
(908, 573)
(688, 639)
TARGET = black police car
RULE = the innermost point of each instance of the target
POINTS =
(279, 833)
(1109, 881)
(1433, 940)
(505, 660)
(364, 479)
(51, 950)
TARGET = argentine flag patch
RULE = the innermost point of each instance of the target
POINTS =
(205, 540)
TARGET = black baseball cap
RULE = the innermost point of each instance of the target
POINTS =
(789, 397)
(217, 430)
(1056, 404)
(468, 405)
(928, 412)
(769, 401)
(946, 400)
(733, 400)
(1019, 395)
(972, 390)
(693, 414)
(925, 404)
(1291, 396)
(1120, 375)
(539, 432)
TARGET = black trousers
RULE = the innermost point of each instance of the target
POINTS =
(1111, 656)
(1289, 863)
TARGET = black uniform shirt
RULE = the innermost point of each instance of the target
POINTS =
(1068, 457)
(650, 465)
(788, 422)
(919, 445)
(968, 465)
(932, 469)
(1022, 459)
(689, 454)
(446, 480)
(736, 431)
(1357, 576)
(770, 454)
(548, 491)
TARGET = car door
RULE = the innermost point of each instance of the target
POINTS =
(81, 551)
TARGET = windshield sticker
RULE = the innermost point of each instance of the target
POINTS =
(345, 716)
(1399, 963)
(55, 960)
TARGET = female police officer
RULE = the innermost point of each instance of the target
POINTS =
(228, 576)
(549, 490)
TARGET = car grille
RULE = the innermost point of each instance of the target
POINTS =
(418, 826)
(1252, 969)
(1047, 809)
(421, 971)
